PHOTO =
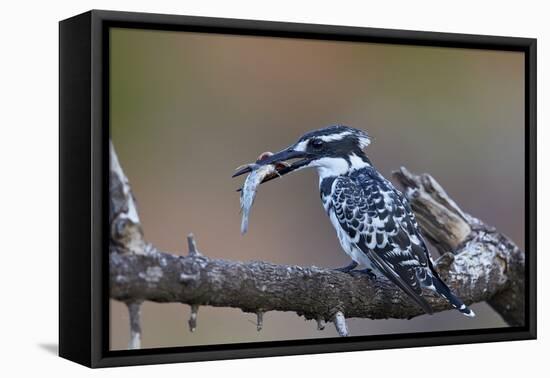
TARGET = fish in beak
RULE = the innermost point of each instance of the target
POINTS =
(279, 160)
(267, 167)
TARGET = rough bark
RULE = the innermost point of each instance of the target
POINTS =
(454, 231)
(477, 262)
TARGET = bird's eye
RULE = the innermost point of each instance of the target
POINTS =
(317, 143)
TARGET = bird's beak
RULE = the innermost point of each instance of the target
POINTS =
(279, 159)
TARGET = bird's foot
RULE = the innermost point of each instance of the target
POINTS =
(347, 268)
(368, 272)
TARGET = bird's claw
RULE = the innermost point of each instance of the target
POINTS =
(347, 268)
(368, 272)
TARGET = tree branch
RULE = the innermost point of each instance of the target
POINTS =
(478, 263)
(134, 311)
(452, 230)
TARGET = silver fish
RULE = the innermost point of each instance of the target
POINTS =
(250, 186)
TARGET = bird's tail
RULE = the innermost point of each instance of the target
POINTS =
(442, 289)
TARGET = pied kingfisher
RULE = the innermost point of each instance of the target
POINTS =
(373, 220)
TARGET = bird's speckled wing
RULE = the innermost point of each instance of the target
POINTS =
(380, 223)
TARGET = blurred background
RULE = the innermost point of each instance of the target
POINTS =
(188, 108)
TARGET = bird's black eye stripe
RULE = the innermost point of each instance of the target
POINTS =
(316, 143)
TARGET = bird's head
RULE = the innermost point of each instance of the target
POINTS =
(333, 150)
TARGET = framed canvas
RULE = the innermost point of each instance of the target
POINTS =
(413, 169)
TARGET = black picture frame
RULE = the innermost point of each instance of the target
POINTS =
(83, 180)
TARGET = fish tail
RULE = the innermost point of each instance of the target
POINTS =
(244, 224)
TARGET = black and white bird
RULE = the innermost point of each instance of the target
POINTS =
(373, 220)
